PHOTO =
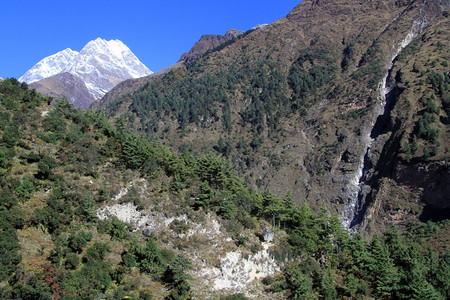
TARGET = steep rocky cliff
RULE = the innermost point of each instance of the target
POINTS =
(409, 172)
(208, 42)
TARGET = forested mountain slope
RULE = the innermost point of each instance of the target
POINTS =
(343, 103)
(206, 43)
(88, 212)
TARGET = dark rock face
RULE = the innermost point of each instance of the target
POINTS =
(433, 180)
(208, 42)
(267, 234)
(65, 84)
(147, 232)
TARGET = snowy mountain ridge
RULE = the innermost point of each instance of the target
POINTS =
(101, 65)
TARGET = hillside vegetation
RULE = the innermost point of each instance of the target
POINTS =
(60, 165)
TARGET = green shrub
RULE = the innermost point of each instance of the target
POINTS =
(45, 166)
(128, 259)
(96, 252)
(116, 229)
(11, 136)
(55, 123)
(79, 241)
(26, 188)
(72, 261)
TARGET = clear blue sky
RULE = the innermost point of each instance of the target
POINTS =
(158, 32)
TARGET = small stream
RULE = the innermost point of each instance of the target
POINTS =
(380, 127)
(358, 187)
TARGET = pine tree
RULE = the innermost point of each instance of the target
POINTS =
(299, 284)
(177, 277)
(273, 207)
(385, 275)
(414, 146)
(358, 256)
(327, 285)
(304, 235)
(204, 198)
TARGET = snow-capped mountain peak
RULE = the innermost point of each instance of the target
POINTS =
(100, 65)
(114, 47)
(103, 64)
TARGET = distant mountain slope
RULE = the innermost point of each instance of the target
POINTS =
(205, 44)
(318, 104)
(130, 85)
(101, 65)
(68, 85)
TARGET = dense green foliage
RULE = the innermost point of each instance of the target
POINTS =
(192, 98)
(304, 82)
(433, 116)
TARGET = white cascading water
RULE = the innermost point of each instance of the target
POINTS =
(357, 180)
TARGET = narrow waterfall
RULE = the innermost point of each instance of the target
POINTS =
(358, 187)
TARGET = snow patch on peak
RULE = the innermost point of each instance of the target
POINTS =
(117, 48)
(259, 26)
(114, 48)
(49, 66)
(101, 64)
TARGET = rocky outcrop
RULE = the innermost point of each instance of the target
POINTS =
(208, 42)
(267, 234)
(234, 270)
